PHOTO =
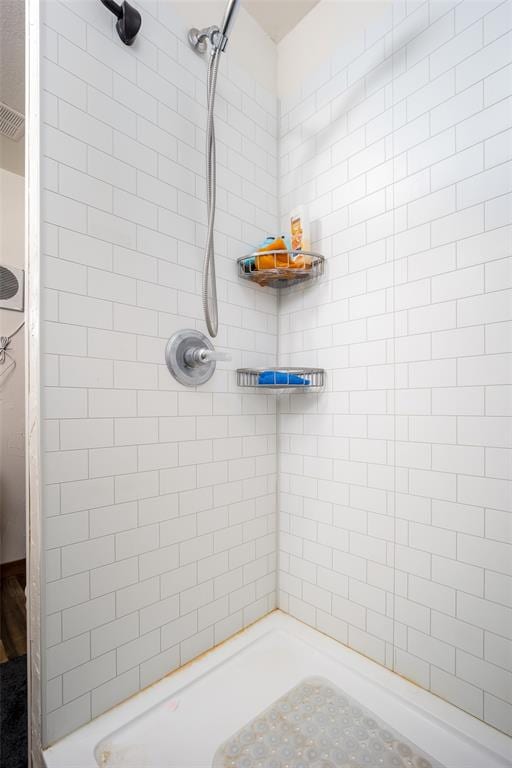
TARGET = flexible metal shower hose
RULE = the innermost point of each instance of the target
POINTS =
(209, 291)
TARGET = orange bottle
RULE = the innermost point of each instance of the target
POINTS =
(273, 260)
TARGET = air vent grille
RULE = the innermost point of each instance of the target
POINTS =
(12, 123)
(11, 287)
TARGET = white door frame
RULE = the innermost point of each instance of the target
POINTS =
(32, 382)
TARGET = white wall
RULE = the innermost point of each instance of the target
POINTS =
(159, 500)
(396, 493)
(332, 25)
(12, 155)
(12, 385)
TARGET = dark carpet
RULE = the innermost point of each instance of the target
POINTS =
(13, 713)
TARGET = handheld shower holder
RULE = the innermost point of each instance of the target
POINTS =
(216, 36)
(199, 39)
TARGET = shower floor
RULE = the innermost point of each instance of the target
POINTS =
(182, 721)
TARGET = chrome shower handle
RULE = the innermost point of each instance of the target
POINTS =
(191, 358)
(202, 355)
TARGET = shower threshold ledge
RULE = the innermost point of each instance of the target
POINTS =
(181, 721)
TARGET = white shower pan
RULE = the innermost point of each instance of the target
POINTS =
(180, 721)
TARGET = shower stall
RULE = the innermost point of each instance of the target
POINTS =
(293, 547)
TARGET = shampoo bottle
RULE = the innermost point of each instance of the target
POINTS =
(299, 229)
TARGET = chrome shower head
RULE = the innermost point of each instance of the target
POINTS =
(228, 20)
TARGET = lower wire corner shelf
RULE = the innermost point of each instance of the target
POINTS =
(283, 379)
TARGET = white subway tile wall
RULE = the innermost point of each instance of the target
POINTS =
(395, 484)
(159, 502)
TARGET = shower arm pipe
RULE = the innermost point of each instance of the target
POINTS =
(113, 8)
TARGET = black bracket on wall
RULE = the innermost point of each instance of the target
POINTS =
(128, 20)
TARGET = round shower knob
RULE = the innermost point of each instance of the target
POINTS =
(191, 357)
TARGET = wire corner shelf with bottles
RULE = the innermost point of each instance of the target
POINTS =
(280, 269)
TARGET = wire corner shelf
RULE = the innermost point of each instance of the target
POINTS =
(280, 269)
(282, 379)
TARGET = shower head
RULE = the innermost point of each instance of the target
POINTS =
(229, 17)
(128, 20)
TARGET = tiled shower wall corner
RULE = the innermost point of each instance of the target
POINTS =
(396, 500)
(159, 502)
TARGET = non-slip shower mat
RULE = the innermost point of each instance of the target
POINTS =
(316, 725)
